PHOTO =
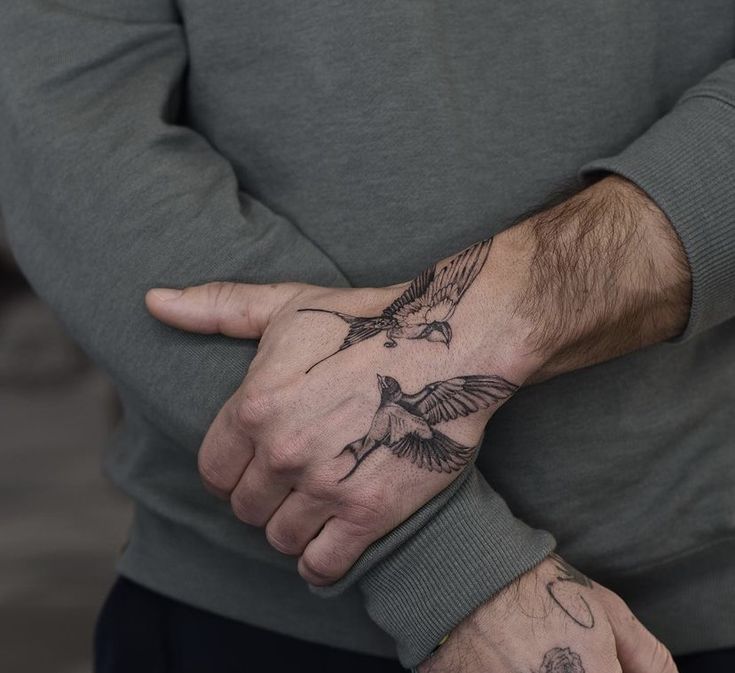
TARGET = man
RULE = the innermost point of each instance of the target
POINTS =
(375, 157)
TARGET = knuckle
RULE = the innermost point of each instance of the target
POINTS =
(210, 471)
(324, 567)
(281, 540)
(619, 608)
(284, 458)
(663, 661)
(358, 537)
(322, 489)
(365, 518)
(254, 406)
(367, 509)
(242, 508)
(660, 659)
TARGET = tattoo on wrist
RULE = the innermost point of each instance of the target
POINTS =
(561, 660)
(568, 574)
(406, 423)
(423, 310)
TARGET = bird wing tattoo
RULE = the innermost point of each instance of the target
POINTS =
(424, 446)
(413, 297)
(460, 396)
(402, 422)
(405, 423)
(433, 296)
(424, 307)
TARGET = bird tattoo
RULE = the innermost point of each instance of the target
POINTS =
(405, 424)
(424, 309)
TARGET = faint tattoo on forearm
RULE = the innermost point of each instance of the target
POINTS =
(405, 423)
(566, 574)
(424, 309)
(561, 660)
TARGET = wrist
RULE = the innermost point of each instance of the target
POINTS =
(500, 338)
(595, 277)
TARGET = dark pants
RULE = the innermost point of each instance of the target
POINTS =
(140, 631)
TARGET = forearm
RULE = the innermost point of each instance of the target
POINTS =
(595, 277)
(105, 195)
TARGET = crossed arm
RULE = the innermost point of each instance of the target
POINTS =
(362, 404)
(311, 448)
(105, 195)
(73, 129)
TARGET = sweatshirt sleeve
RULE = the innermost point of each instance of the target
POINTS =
(454, 554)
(686, 163)
(105, 195)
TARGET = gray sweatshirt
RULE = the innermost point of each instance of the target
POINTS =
(152, 142)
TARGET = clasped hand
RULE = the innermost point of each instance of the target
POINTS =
(362, 404)
(359, 406)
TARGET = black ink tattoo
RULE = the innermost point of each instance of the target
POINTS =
(570, 574)
(405, 423)
(561, 660)
(424, 309)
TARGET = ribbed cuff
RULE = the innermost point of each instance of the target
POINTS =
(451, 556)
(383, 548)
(685, 163)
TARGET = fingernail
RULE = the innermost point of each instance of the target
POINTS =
(166, 294)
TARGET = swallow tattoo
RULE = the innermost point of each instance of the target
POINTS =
(405, 424)
(424, 309)
(569, 574)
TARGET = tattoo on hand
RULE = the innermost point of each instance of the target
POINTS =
(571, 574)
(561, 660)
(405, 423)
(424, 309)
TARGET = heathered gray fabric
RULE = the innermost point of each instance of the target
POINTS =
(355, 143)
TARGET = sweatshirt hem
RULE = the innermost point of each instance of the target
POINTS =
(177, 562)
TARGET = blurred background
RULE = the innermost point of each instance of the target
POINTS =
(61, 522)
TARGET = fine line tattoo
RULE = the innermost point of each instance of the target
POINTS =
(423, 310)
(405, 423)
(561, 660)
(571, 574)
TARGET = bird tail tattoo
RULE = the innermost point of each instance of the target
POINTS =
(355, 448)
(360, 330)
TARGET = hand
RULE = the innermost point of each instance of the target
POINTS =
(335, 436)
(330, 461)
(552, 620)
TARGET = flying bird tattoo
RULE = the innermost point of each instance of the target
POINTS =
(424, 309)
(405, 424)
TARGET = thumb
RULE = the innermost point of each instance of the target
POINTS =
(234, 309)
(639, 651)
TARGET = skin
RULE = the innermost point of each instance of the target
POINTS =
(597, 276)
(514, 632)
(273, 448)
